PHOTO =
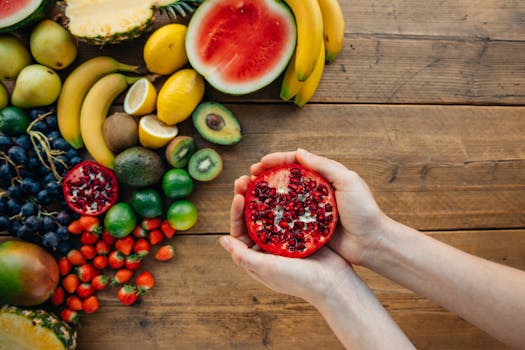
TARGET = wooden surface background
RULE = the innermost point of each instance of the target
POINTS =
(426, 102)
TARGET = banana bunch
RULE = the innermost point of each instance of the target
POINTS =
(320, 34)
(84, 102)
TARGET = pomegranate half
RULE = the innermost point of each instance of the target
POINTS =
(290, 211)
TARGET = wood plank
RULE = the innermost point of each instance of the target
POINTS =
(197, 304)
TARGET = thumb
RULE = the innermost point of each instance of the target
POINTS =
(336, 173)
(241, 254)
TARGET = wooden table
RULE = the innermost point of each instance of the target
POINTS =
(424, 103)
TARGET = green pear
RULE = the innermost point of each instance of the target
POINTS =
(52, 45)
(36, 86)
(13, 57)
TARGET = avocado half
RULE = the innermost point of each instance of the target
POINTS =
(217, 124)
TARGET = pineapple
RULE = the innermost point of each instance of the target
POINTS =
(34, 329)
(102, 22)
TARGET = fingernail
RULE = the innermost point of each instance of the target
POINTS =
(225, 242)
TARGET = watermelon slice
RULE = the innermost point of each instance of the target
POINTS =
(240, 46)
(21, 13)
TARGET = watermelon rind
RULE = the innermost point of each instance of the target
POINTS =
(30, 14)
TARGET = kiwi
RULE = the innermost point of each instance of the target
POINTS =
(180, 150)
(217, 124)
(120, 131)
(205, 165)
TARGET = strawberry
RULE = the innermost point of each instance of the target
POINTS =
(125, 245)
(75, 257)
(58, 296)
(90, 304)
(122, 276)
(69, 316)
(102, 247)
(90, 223)
(166, 228)
(127, 294)
(100, 282)
(75, 227)
(142, 247)
(133, 262)
(70, 283)
(151, 223)
(145, 282)
(155, 237)
(140, 232)
(116, 259)
(108, 238)
(86, 272)
(74, 303)
(88, 251)
(88, 238)
(85, 290)
(165, 253)
(100, 262)
(65, 266)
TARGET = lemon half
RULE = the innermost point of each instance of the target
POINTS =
(141, 98)
(155, 134)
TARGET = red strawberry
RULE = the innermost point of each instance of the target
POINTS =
(85, 290)
(69, 316)
(64, 265)
(75, 227)
(142, 247)
(88, 252)
(155, 237)
(165, 253)
(151, 223)
(74, 303)
(100, 262)
(125, 245)
(90, 304)
(127, 294)
(140, 232)
(116, 259)
(166, 228)
(145, 282)
(102, 247)
(122, 276)
(88, 238)
(86, 272)
(108, 238)
(90, 223)
(133, 262)
(100, 282)
(75, 257)
(58, 296)
(70, 283)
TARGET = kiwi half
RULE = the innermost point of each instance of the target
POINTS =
(180, 150)
(217, 124)
(205, 165)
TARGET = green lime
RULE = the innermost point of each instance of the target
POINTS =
(13, 121)
(147, 203)
(177, 183)
(120, 220)
(4, 96)
(182, 215)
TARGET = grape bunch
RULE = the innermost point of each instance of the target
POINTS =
(32, 205)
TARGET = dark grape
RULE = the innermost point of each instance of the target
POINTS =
(14, 191)
(33, 163)
(36, 112)
(53, 188)
(64, 247)
(40, 127)
(24, 141)
(43, 197)
(29, 186)
(24, 232)
(4, 223)
(13, 207)
(5, 143)
(3, 205)
(61, 144)
(33, 222)
(14, 227)
(74, 161)
(53, 135)
(29, 209)
(63, 218)
(50, 240)
(49, 223)
(62, 233)
(52, 121)
(17, 154)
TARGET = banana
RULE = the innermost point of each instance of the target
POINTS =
(290, 85)
(333, 27)
(94, 111)
(308, 88)
(74, 91)
(309, 35)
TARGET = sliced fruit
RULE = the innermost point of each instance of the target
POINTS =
(52, 45)
(36, 86)
(13, 121)
(140, 98)
(139, 167)
(164, 51)
(182, 215)
(155, 134)
(120, 220)
(205, 165)
(14, 56)
(240, 46)
(18, 14)
(147, 202)
(217, 124)
(177, 184)
(120, 131)
(180, 150)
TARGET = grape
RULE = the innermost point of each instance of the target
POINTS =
(49, 223)
(37, 112)
(4, 223)
(53, 135)
(62, 233)
(17, 154)
(40, 127)
(14, 191)
(61, 144)
(64, 247)
(24, 141)
(43, 197)
(30, 186)
(32, 163)
(52, 122)
(53, 188)
(13, 207)
(33, 222)
(25, 233)
(14, 227)
(74, 161)
(63, 218)
(50, 240)
(3, 204)
(29, 209)
(5, 143)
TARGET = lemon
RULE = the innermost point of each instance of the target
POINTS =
(155, 134)
(165, 51)
(140, 98)
(4, 96)
(179, 96)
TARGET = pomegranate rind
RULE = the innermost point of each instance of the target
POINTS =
(92, 206)
(290, 239)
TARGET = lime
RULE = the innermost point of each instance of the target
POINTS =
(147, 203)
(120, 220)
(177, 183)
(182, 215)
(13, 121)
(4, 96)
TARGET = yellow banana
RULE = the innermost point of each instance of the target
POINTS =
(74, 91)
(309, 35)
(94, 111)
(308, 88)
(333, 27)
(290, 85)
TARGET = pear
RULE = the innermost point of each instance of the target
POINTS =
(13, 57)
(36, 86)
(52, 45)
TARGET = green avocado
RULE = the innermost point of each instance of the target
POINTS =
(217, 124)
(138, 167)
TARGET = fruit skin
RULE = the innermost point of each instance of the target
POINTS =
(309, 87)
(4, 96)
(179, 96)
(71, 283)
(205, 165)
(139, 167)
(90, 304)
(74, 303)
(145, 281)
(86, 272)
(148, 100)
(69, 316)
(155, 134)
(155, 237)
(120, 220)
(167, 230)
(333, 27)
(34, 11)
(164, 51)
(177, 184)
(64, 266)
(147, 202)
(217, 124)
(14, 56)
(28, 274)
(127, 294)
(141, 247)
(52, 45)
(36, 86)
(182, 215)
(100, 282)
(290, 85)
(120, 131)
(58, 296)
(180, 150)
(122, 276)
(151, 223)
(75, 89)
(75, 257)
(116, 259)
(125, 245)
(13, 121)
(165, 253)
